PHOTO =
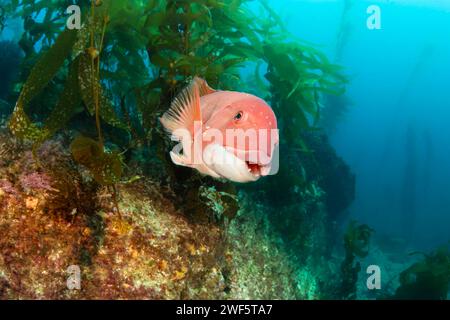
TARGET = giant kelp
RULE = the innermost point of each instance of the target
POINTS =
(41, 75)
(130, 59)
(82, 81)
(151, 49)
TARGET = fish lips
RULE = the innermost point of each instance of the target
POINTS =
(237, 165)
(258, 161)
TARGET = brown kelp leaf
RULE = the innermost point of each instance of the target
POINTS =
(68, 103)
(22, 127)
(83, 37)
(87, 84)
(105, 167)
(41, 74)
(86, 151)
(111, 170)
(47, 66)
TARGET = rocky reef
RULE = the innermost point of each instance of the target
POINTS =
(53, 215)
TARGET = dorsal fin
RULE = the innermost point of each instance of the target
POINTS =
(203, 86)
(184, 110)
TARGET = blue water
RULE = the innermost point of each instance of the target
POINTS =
(396, 135)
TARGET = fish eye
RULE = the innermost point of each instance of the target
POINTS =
(238, 116)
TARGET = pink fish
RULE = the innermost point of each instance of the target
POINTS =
(223, 134)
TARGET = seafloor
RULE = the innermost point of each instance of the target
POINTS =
(51, 218)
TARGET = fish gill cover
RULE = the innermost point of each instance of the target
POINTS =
(85, 174)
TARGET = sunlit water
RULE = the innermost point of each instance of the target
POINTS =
(396, 135)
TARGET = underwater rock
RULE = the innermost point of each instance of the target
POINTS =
(332, 173)
(150, 251)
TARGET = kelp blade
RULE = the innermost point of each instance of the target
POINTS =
(41, 74)
(88, 83)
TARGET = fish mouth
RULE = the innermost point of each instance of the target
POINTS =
(225, 163)
(257, 162)
(258, 170)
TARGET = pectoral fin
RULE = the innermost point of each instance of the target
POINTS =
(184, 112)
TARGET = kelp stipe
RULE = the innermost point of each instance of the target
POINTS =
(82, 85)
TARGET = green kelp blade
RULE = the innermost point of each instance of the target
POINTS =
(22, 127)
(48, 65)
(68, 102)
(41, 74)
(87, 84)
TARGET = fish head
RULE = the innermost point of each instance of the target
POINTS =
(248, 130)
